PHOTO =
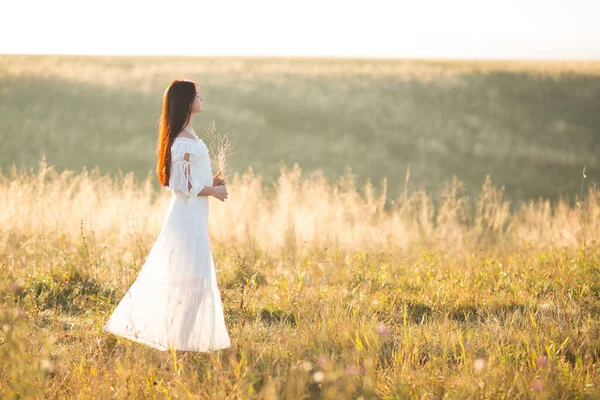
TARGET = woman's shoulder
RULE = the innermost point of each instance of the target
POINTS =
(184, 144)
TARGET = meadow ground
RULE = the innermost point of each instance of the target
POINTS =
(427, 287)
(327, 292)
(532, 126)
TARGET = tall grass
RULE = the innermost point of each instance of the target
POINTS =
(329, 292)
(307, 212)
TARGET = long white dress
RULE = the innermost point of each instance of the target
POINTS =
(175, 302)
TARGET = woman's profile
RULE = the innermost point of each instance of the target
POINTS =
(174, 301)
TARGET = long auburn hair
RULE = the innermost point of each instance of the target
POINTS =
(176, 111)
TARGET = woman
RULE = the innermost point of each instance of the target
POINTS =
(175, 301)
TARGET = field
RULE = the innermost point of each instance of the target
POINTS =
(532, 126)
(333, 287)
(320, 301)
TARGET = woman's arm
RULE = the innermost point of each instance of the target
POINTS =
(207, 191)
(181, 179)
(219, 192)
(185, 185)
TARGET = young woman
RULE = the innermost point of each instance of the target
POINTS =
(175, 301)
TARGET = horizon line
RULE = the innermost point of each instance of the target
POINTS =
(315, 56)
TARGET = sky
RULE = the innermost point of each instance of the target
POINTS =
(484, 29)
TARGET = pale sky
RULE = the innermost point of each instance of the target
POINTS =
(530, 29)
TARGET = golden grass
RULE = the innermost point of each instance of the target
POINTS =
(342, 296)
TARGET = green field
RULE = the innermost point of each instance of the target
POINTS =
(532, 126)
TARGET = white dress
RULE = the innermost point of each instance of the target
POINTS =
(175, 301)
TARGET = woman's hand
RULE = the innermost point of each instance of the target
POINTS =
(220, 192)
(218, 179)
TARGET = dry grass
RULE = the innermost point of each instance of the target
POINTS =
(220, 149)
(343, 297)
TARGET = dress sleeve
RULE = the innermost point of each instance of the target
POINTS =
(183, 180)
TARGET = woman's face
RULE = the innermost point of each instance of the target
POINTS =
(197, 105)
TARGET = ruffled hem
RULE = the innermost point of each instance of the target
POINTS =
(160, 347)
(166, 316)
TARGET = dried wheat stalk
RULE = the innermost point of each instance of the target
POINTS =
(220, 150)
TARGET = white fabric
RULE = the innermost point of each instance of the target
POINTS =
(188, 178)
(175, 301)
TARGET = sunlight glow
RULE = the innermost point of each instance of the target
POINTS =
(427, 28)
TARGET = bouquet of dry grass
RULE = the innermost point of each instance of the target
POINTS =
(220, 150)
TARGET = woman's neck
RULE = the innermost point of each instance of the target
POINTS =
(189, 125)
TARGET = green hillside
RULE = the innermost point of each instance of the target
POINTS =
(532, 126)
